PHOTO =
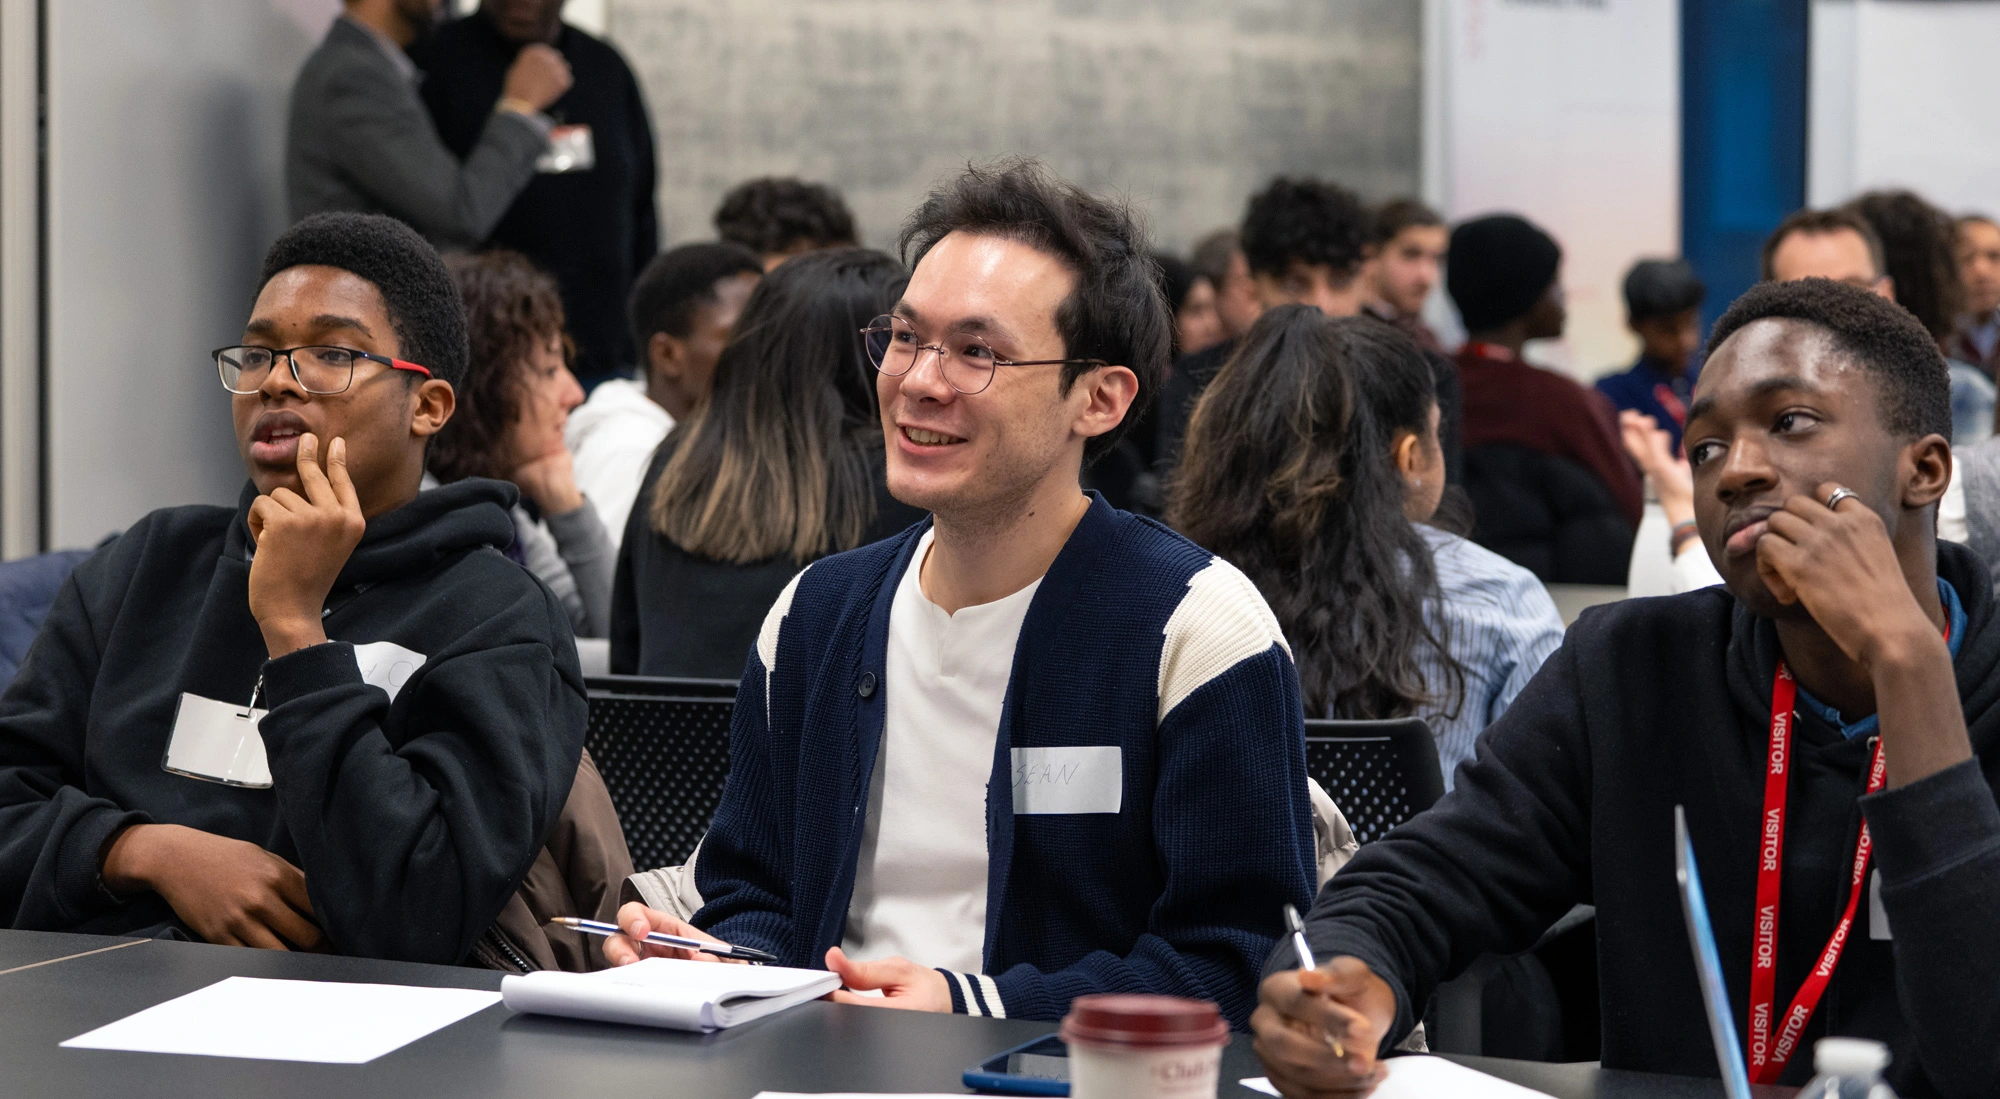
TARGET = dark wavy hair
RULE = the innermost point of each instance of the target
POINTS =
(512, 308)
(1919, 254)
(782, 459)
(774, 214)
(1115, 312)
(1288, 474)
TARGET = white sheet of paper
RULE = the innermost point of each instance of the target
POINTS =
(1430, 1078)
(323, 1021)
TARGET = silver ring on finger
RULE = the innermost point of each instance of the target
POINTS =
(1834, 498)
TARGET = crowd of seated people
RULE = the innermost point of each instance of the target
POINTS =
(859, 484)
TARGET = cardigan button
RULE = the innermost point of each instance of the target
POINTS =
(866, 688)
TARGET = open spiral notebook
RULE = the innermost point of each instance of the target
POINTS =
(668, 992)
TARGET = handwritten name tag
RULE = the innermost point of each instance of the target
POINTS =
(1068, 780)
(387, 665)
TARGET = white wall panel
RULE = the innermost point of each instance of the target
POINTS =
(1568, 113)
(165, 155)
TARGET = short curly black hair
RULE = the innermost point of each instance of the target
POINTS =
(1115, 312)
(419, 294)
(772, 215)
(1306, 221)
(1882, 336)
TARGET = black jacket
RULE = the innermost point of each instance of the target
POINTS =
(593, 230)
(413, 820)
(1656, 702)
(675, 613)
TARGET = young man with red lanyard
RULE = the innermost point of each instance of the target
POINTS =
(1830, 719)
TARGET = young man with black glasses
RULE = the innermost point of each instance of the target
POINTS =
(333, 717)
(1036, 747)
(1830, 720)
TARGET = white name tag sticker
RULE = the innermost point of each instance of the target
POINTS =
(218, 742)
(1068, 780)
(1878, 917)
(571, 149)
(387, 665)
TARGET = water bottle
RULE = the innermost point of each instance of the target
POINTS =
(1848, 1068)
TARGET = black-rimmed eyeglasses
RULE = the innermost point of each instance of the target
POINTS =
(319, 370)
(965, 360)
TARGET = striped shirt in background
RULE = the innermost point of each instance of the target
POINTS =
(1503, 625)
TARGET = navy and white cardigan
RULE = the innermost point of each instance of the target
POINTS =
(1137, 639)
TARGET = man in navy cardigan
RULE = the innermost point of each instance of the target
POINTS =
(1036, 747)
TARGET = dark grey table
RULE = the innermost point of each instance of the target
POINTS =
(498, 1055)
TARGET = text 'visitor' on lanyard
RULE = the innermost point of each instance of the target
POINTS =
(1768, 1056)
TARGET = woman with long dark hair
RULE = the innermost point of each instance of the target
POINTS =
(1920, 258)
(782, 466)
(1312, 463)
(513, 402)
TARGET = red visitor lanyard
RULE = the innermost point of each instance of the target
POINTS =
(1490, 351)
(1767, 1057)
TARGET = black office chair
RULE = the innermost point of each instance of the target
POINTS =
(1379, 773)
(662, 746)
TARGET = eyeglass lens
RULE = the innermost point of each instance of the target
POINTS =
(894, 348)
(319, 370)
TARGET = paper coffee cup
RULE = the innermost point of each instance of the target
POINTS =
(1144, 1047)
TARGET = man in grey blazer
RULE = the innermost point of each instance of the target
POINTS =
(359, 138)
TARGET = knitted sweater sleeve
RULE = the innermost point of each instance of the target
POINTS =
(744, 871)
(1230, 815)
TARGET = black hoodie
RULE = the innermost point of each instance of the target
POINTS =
(1656, 702)
(413, 821)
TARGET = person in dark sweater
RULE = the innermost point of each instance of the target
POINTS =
(1662, 308)
(588, 216)
(1037, 748)
(1502, 273)
(781, 466)
(1820, 441)
(1304, 240)
(425, 705)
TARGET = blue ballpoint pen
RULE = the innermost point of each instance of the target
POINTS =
(1304, 949)
(657, 938)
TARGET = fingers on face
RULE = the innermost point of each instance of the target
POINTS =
(336, 474)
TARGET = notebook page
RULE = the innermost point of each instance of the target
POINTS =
(667, 992)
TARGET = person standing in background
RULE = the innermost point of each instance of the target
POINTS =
(1219, 257)
(358, 140)
(684, 307)
(587, 217)
(1977, 338)
(1662, 308)
(1401, 264)
(781, 218)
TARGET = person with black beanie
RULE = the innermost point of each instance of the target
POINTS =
(1502, 274)
(332, 717)
(1828, 720)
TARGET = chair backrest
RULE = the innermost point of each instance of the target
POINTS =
(1379, 773)
(662, 746)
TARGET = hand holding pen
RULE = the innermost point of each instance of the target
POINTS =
(1318, 1027)
(642, 932)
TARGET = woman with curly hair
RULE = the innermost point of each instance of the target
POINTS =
(1312, 463)
(512, 404)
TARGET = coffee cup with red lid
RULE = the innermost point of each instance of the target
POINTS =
(1144, 1047)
